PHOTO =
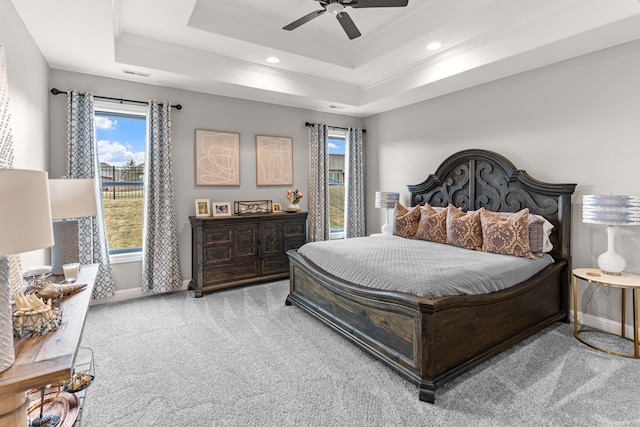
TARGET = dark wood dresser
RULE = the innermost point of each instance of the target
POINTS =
(242, 249)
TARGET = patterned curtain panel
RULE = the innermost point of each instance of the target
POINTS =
(160, 261)
(6, 161)
(318, 219)
(355, 220)
(82, 162)
(6, 141)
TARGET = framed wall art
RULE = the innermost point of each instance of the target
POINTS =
(203, 207)
(274, 160)
(221, 209)
(217, 158)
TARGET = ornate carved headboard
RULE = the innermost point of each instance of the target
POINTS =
(472, 179)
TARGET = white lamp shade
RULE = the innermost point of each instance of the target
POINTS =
(72, 198)
(386, 199)
(25, 211)
(610, 210)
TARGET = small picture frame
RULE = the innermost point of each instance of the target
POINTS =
(221, 209)
(203, 207)
(277, 208)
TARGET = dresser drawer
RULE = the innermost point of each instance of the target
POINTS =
(217, 235)
(295, 229)
(294, 243)
(230, 272)
(216, 254)
(275, 265)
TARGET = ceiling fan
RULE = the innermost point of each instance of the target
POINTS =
(336, 7)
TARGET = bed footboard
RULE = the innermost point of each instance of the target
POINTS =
(387, 329)
(428, 341)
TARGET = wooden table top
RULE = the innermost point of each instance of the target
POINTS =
(50, 358)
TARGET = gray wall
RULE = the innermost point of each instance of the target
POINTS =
(200, 111)
(28, 76)
(577, 122)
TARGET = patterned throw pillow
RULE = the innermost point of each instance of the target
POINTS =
(406, 221)
(433, 225)
(464, 229)
(506, 236)
(539, 232)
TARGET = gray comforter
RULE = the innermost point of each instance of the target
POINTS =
(419, 267)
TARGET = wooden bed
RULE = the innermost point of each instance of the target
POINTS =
(432, 340)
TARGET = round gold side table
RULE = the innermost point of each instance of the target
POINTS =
(624, 281)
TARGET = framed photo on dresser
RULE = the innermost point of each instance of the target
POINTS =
(222, 209)
(203, 207)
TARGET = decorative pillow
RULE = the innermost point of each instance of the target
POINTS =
(464, 229)
(405, 221)
(433, 225)
(539, 232)
(547, 246)
(506, 236)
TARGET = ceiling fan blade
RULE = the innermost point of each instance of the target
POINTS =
(378, 3)
(348, 26)
(295, 24)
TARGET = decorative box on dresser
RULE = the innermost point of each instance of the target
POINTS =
(241, 249)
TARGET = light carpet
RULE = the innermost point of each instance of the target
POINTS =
(240, 357)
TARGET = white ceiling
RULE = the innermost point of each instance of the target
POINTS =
(220, 46)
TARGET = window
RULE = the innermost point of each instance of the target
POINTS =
(121, 141)
(335, 182)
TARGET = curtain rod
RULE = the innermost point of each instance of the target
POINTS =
(307, 124)
(59, 92)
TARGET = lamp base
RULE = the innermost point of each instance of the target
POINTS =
(386, 229)
(65, 250)
(610, 262)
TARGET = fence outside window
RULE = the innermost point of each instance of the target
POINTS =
(122, 182)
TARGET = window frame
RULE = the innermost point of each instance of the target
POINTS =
(118, 109)
(337, 134)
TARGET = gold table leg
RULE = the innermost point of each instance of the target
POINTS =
(575, 306)
(624, 310)
(636, 350)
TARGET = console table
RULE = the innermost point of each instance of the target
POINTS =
(46, 359)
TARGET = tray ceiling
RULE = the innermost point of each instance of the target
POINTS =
(220, 46)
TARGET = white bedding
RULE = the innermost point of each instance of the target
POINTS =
(419, 267)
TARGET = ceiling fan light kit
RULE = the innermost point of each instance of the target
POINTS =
(336, 7)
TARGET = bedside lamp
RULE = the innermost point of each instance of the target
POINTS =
(386, 200)
(70, 199)
(25, 225)
(611, 211)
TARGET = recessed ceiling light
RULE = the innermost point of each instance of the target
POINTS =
(434, 46)
(273, 60)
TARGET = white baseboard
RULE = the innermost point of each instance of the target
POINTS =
(133, 293)
(602, 324)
